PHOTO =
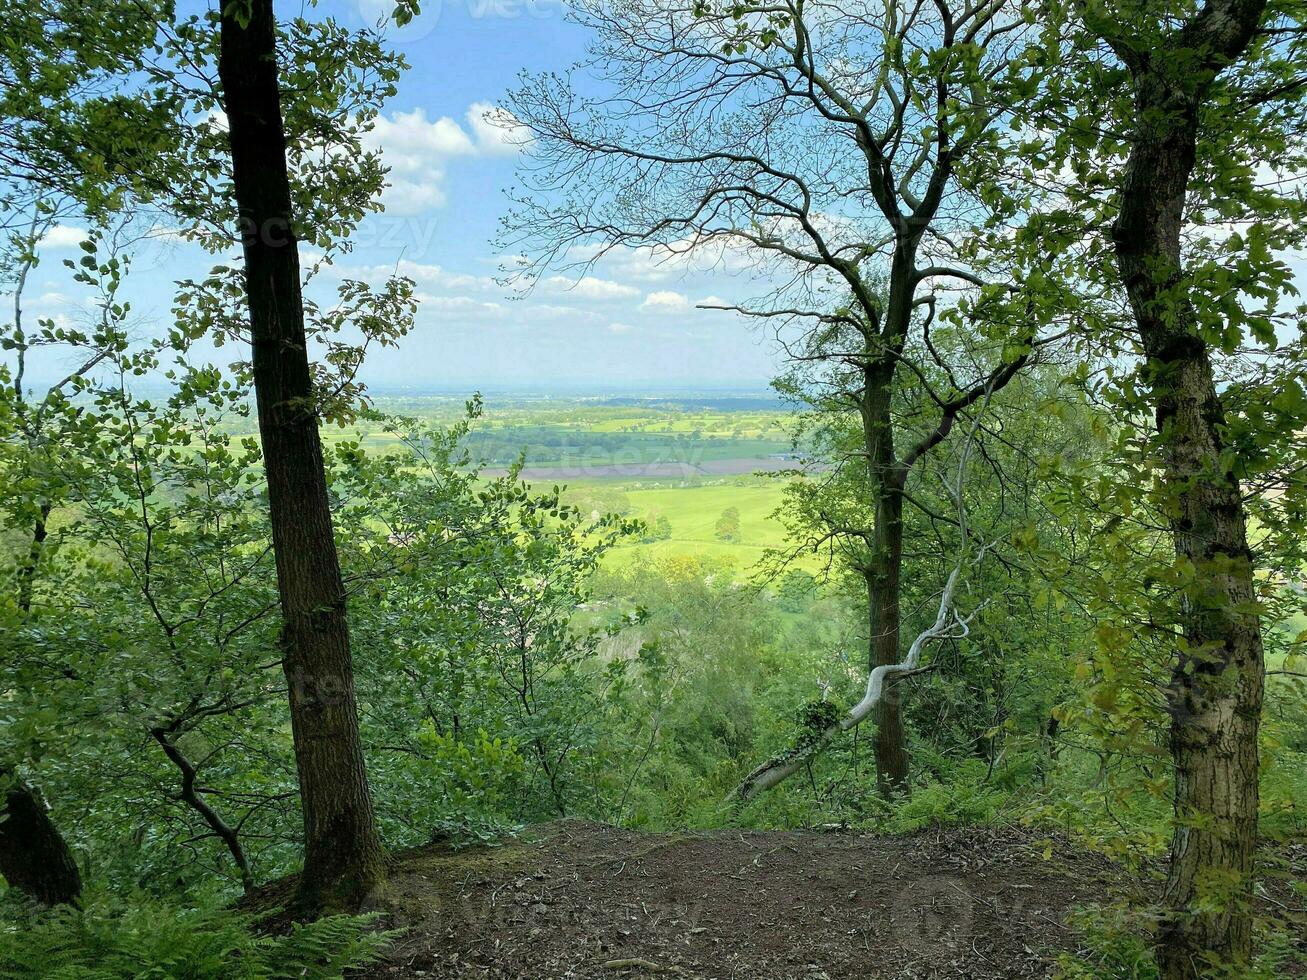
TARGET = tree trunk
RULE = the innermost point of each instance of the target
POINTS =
(883, 573)
(883, 590)
(34, 858)
(1216, 690)
(343, 858)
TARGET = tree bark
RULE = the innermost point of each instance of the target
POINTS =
(883, 573)
(1215, 698)
(34, 857)
(883, 594)
(343, 858)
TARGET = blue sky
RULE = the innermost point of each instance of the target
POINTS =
(631, 321)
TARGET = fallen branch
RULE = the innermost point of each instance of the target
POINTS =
(947, 625)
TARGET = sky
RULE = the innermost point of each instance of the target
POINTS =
(629, 322)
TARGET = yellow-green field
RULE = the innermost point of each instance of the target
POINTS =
(693, 512)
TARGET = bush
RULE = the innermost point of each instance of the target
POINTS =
(146, 938)
(964, 800)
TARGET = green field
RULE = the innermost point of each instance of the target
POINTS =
(615, 457)
(693, 512)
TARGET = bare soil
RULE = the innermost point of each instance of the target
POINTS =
(585, 900)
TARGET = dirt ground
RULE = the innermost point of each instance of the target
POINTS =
(584, 900)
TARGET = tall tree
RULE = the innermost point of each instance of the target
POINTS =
(343, 857)
(857, 153)
(1201, 102)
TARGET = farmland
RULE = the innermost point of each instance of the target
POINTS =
(684, 461)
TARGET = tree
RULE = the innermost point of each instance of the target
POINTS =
(122, 116)
(1203, 101)
(728, 525)
(839, 149)
(58, 114)
(343, 858)
(34, 858)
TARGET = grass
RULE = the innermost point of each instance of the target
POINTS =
(693, 510)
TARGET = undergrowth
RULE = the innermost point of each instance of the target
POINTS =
(145, 938)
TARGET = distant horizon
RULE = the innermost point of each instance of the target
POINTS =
(581, 387)
(545, 388)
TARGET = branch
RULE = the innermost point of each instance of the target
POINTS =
(191, 798)
(947, 625)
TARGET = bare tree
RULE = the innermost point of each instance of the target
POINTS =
(860, 157)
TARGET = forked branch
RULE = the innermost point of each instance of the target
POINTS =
(948, 624)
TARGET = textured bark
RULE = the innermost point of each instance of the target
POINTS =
(883, 577)
(34, 857)
(343, 857)
(883, 574)
(1216, 689)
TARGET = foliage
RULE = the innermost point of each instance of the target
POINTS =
(524, 651)
(728, 525)
(144, 937)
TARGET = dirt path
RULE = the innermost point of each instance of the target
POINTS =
(588, 901)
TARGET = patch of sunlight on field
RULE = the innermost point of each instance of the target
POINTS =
(693, 513)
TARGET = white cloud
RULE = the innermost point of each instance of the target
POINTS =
(676, 259)
(497, 130)
(64, 236)
(458, 305)
(620, 328)
(665, 301)
(590, 287)
(408, 140)
(415, 148)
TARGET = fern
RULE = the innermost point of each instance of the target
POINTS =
(150, 940)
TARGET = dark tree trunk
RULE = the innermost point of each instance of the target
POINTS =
(883, 590)
(343, 857)
(883, 574)
(1216, 688)
(34, 858)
